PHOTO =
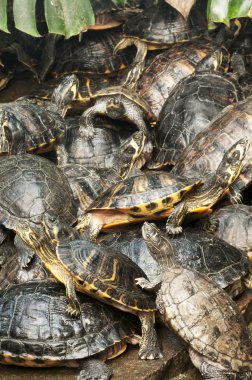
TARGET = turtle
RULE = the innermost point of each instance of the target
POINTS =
(93, 55)
(157, 27)
(26, 127)
(168, 68)
(191, 105)
(37, 332)
(119, 103)
(216, 185)
(90, 182)
(5, 76)
(205, 152)
(194, 249)
(200, 312)
(33, 191)
(149, 196)
(232, 224)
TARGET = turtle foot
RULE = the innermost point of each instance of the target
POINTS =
(73, 310)
(143, 282)
(173, 230)
(86, 133)
(94, 370)
(150, 353)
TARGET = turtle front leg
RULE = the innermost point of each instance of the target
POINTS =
(235, 195)
(147, 285)
(149, 345)
(210, 225)
(91, 224)
(94, 369)
(87, 119)
(73, 308)
(174, 221)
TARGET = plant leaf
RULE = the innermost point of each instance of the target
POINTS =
(183, 6)
(121, 3)
(24, 16)
(3, 16)
(68, 17)
(225, 10)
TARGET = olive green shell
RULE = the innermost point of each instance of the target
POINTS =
(36, 331)
(163, 24)
(106, 274)
(130, 94)
(93, 55)
(233, 224)
(191, 105)
(168, 68)
(32, 186)
(205, 152)
(146, 194)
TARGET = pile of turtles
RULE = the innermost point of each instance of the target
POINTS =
(145, 118)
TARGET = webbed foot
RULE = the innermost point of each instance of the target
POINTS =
(73, 310)
(87, 133)
(150, 353)
(173, 230)
(143, 282)
(94, 369)
(149, 345)
(210, 225)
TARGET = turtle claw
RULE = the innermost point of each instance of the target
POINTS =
(86, 133)
(142, 282)
(236, 199)
(173, 230)
(150, 354)
(73, 310)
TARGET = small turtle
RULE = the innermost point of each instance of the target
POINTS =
(200, 312)
(144, 197)
(216, 185)
(226, 265)
(233, 224)
(37, 332)
(27, 127)
(168, 68)
(205, 152)
(192, 104)
(119, 103)
(93, 55)
(157, 27)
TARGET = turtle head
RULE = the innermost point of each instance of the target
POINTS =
(65, 93)
(231, 164)
(129, 152)
(159, 246)
(115, 108)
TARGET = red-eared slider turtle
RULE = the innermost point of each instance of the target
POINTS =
(169, 67)
(119, 103)
(226, 265)
(200, 312)
(37, 332)
(144, 197)
(232, 223)
(93, 55)
(192, 104)
(205, 152)
(216, 185)
(27, 127)
(157, 27)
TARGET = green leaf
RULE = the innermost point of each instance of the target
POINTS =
(121, 3)
(24, 16)
(225, 10)
(68, 17)
(3, 16)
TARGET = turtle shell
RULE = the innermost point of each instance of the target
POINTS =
(168, 68)
(131, 95)
(162, 24)
(192, 104)
(144, 195)
(36, 330)
(107, 274)
(223, 263)
(205, 152)
(93, 55)
(32, 186)
(234, 225)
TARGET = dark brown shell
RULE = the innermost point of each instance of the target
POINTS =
(205, 152)
(168, 68)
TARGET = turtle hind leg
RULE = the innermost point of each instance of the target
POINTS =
(94, 369)
(149, 345)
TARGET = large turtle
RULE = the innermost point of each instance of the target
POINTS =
(27, 127)
(157, 27)
(37, 332)
(200, 312)
(233, 224)
(216, 185)
(192, 104)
